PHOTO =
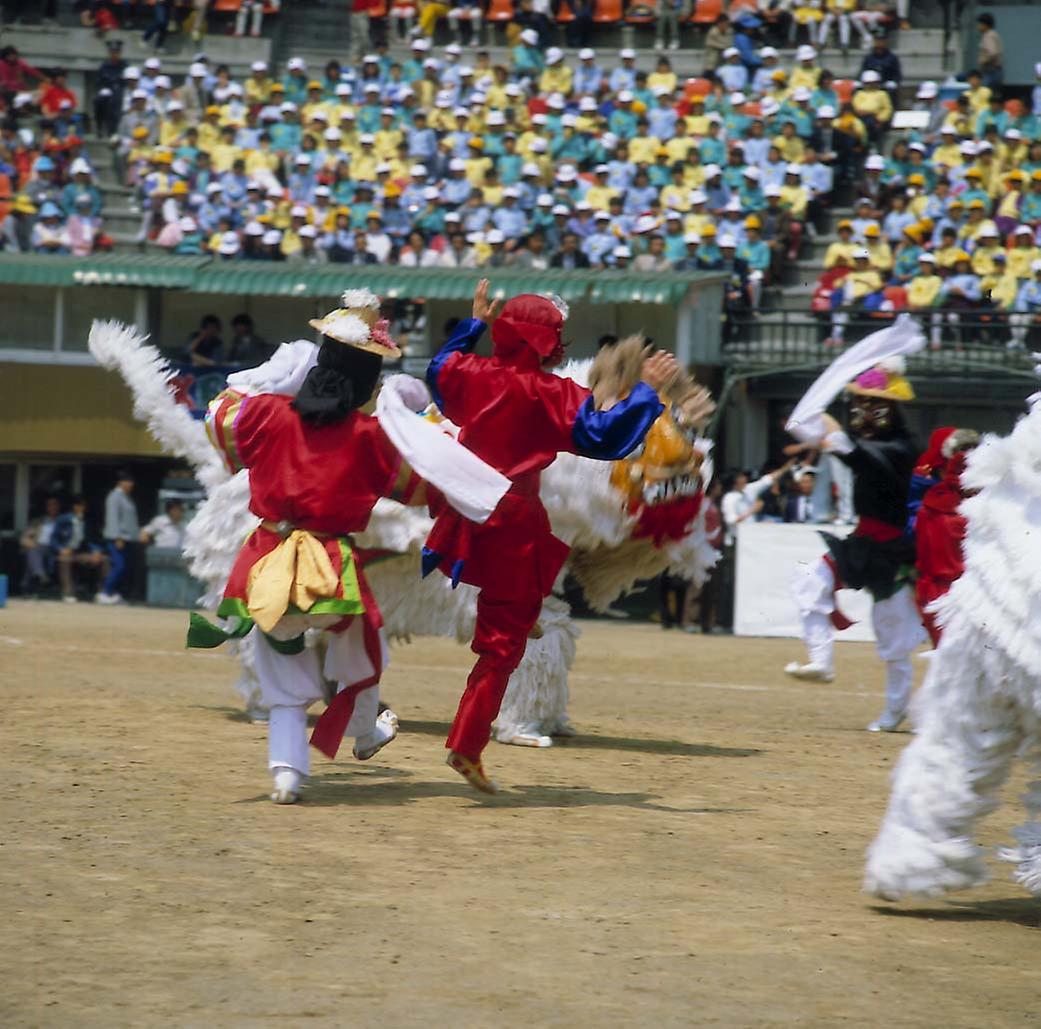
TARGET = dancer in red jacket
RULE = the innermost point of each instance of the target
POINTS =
(317, 466)
(517, 416)
(940, 529)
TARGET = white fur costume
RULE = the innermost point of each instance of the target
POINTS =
(980, 706)
(585, 511)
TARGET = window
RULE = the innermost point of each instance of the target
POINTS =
(28, 321)
(83, 305)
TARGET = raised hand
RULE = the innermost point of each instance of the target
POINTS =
(485, 310)
(659, 369)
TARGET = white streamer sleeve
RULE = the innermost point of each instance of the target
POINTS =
(472, 487)
(901, 338)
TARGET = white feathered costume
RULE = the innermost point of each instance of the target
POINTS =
(585, 511)
(980, 706)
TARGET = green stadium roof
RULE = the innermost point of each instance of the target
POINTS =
(249, 278)
(100, 270)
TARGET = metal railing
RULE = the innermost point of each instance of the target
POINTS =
(963, 345)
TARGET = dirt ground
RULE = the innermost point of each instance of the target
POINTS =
(694, 858)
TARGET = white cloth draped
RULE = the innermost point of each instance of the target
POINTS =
(283, 374)
(472, 487)
(900, 339)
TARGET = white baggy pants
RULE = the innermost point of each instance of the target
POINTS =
(254, 7)
(290, 683)
(897, 625)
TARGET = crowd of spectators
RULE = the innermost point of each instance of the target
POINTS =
(157, 19)
(947, 221)
(538, 162)
(436, 162)
(49, 198)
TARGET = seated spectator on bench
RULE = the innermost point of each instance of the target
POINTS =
(166, 531)
(857, 286)
(49, 231)
(37, 543)
(924, 294)
(74, 551)
(961, 293)
(1027, 316)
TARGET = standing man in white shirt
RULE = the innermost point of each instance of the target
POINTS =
(742, 502)
(739, 503)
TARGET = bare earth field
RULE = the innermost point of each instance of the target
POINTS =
(694, 858)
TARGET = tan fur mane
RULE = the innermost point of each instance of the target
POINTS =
(616, 369)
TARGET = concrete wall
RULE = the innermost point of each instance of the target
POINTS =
(68, 411)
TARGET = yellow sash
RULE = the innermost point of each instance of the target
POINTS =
(298, 571)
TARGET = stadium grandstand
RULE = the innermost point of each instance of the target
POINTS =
(755, 183)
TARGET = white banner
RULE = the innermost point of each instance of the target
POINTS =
(768, 555)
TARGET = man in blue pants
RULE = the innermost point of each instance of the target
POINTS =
(121, 530)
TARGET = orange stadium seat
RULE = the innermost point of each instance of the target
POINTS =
(737, 6)
(844, 89)
(608, 12)
(564, 13)
(897, 296)
(500, 10)
(706, 12)
(697, 87)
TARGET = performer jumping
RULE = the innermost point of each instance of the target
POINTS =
(517, 416)
(879, 555)
(317, 466)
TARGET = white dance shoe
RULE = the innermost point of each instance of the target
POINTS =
(810, 672)
(287, 785)
(887, 722)
(528, 735)
(372, 743)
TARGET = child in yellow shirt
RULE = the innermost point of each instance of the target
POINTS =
(791, 146)
(881, 255)
(924, 288)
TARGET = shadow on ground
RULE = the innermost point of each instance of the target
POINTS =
(635, 744)
(1024, 911)
(357, 789)
(594, 742)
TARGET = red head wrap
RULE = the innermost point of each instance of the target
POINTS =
(528, 320)
(932, 459)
